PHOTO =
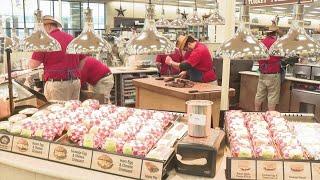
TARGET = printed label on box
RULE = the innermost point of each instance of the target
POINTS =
(6, 142)
(70, 155)
(297, 170)
(243, 169)
(315, 170)
(270, 170)
(151, 170)
(197, 119)
(116, 164)
(31, 147)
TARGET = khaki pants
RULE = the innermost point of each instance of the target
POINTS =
(62, 90)
(103, 86)
(268, 87)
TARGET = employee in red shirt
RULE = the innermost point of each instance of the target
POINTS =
(97, 75)
(61, 70)
(165, 69)
(270, 79)
(198, 65)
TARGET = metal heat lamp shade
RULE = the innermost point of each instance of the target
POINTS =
(243, 45)
(178, 22)
(39, 40)
(149, 41)
(88, 42)
(194, 19)
(162, 22)
(215, 18)
(296, 42)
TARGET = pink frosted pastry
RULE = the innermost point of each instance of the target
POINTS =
(136, 148)
(72, 104)
(244, 152)
(293, 152)
(76, 132)
(93, 103)
(266, 152)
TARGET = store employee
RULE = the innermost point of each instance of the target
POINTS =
(269, 83)
(61, 70)
(98, 76)
(198, 65)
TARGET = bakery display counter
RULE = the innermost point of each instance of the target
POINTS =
(272, 145)
(154, 94)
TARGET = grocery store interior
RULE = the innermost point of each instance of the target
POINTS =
(159, 89)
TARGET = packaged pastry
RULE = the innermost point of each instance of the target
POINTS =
(55, 107)
(28, 111)
(265, 152)
(76, 132)
(5, 125)
(293, 152)
(136, 148)
(243, 152)
(16, 118)
(113, 145)
(93, 103)
(72, 104)
(91, 141)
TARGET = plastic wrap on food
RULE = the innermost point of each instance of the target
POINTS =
(91, 141)
(16, 118)
(76, 132)
(265, 152)
(293, 152)
(72, 104)
(56, 107)
(135, 148)
(242, 151)
(5, 125)
(107, 109)
(93, 103)
(114, 145)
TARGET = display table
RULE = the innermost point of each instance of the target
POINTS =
(153, 94)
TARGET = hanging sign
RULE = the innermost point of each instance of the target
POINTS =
(257, 3)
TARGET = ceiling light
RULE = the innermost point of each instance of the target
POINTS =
(162, 22)
(296, 42)
(149, 41)
(178, 22)
(40, 40)
(194, 19)
(215, 18)
(243, 45)
(88, 42)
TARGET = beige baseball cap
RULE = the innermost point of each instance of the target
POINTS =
(181, 42)
(50, 19)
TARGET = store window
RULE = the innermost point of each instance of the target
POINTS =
(72, 15)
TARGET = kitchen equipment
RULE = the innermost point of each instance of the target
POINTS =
(199, 156)
(199, 117)
(305, 101)
(315, 75)
(302, 71)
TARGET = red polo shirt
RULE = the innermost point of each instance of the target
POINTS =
(272, 65)
(92, 71)
(59, 65)
(164, 70)
(200, 59)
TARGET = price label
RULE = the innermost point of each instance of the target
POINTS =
(297, 170)
(116, 164)
(243, 169)
(151, 170)
(6, 142)
(315, 170)
(31, 147)
(270, 170)
(197, 119)
(70, 155)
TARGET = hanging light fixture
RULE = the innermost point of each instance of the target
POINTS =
(178, 22)
(296, 42)
(162, 22)
(15, 39)
(88, 42)
(194, 19)
(7, 40)
(215, 18)
(241, 46)
(39, 40)
(149, 41)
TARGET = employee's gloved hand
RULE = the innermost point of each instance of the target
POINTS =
(183, 74)
(168, 60)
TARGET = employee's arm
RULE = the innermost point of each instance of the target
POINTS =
(172, 63)
(34, 63)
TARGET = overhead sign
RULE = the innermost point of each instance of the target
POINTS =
(257, 3)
